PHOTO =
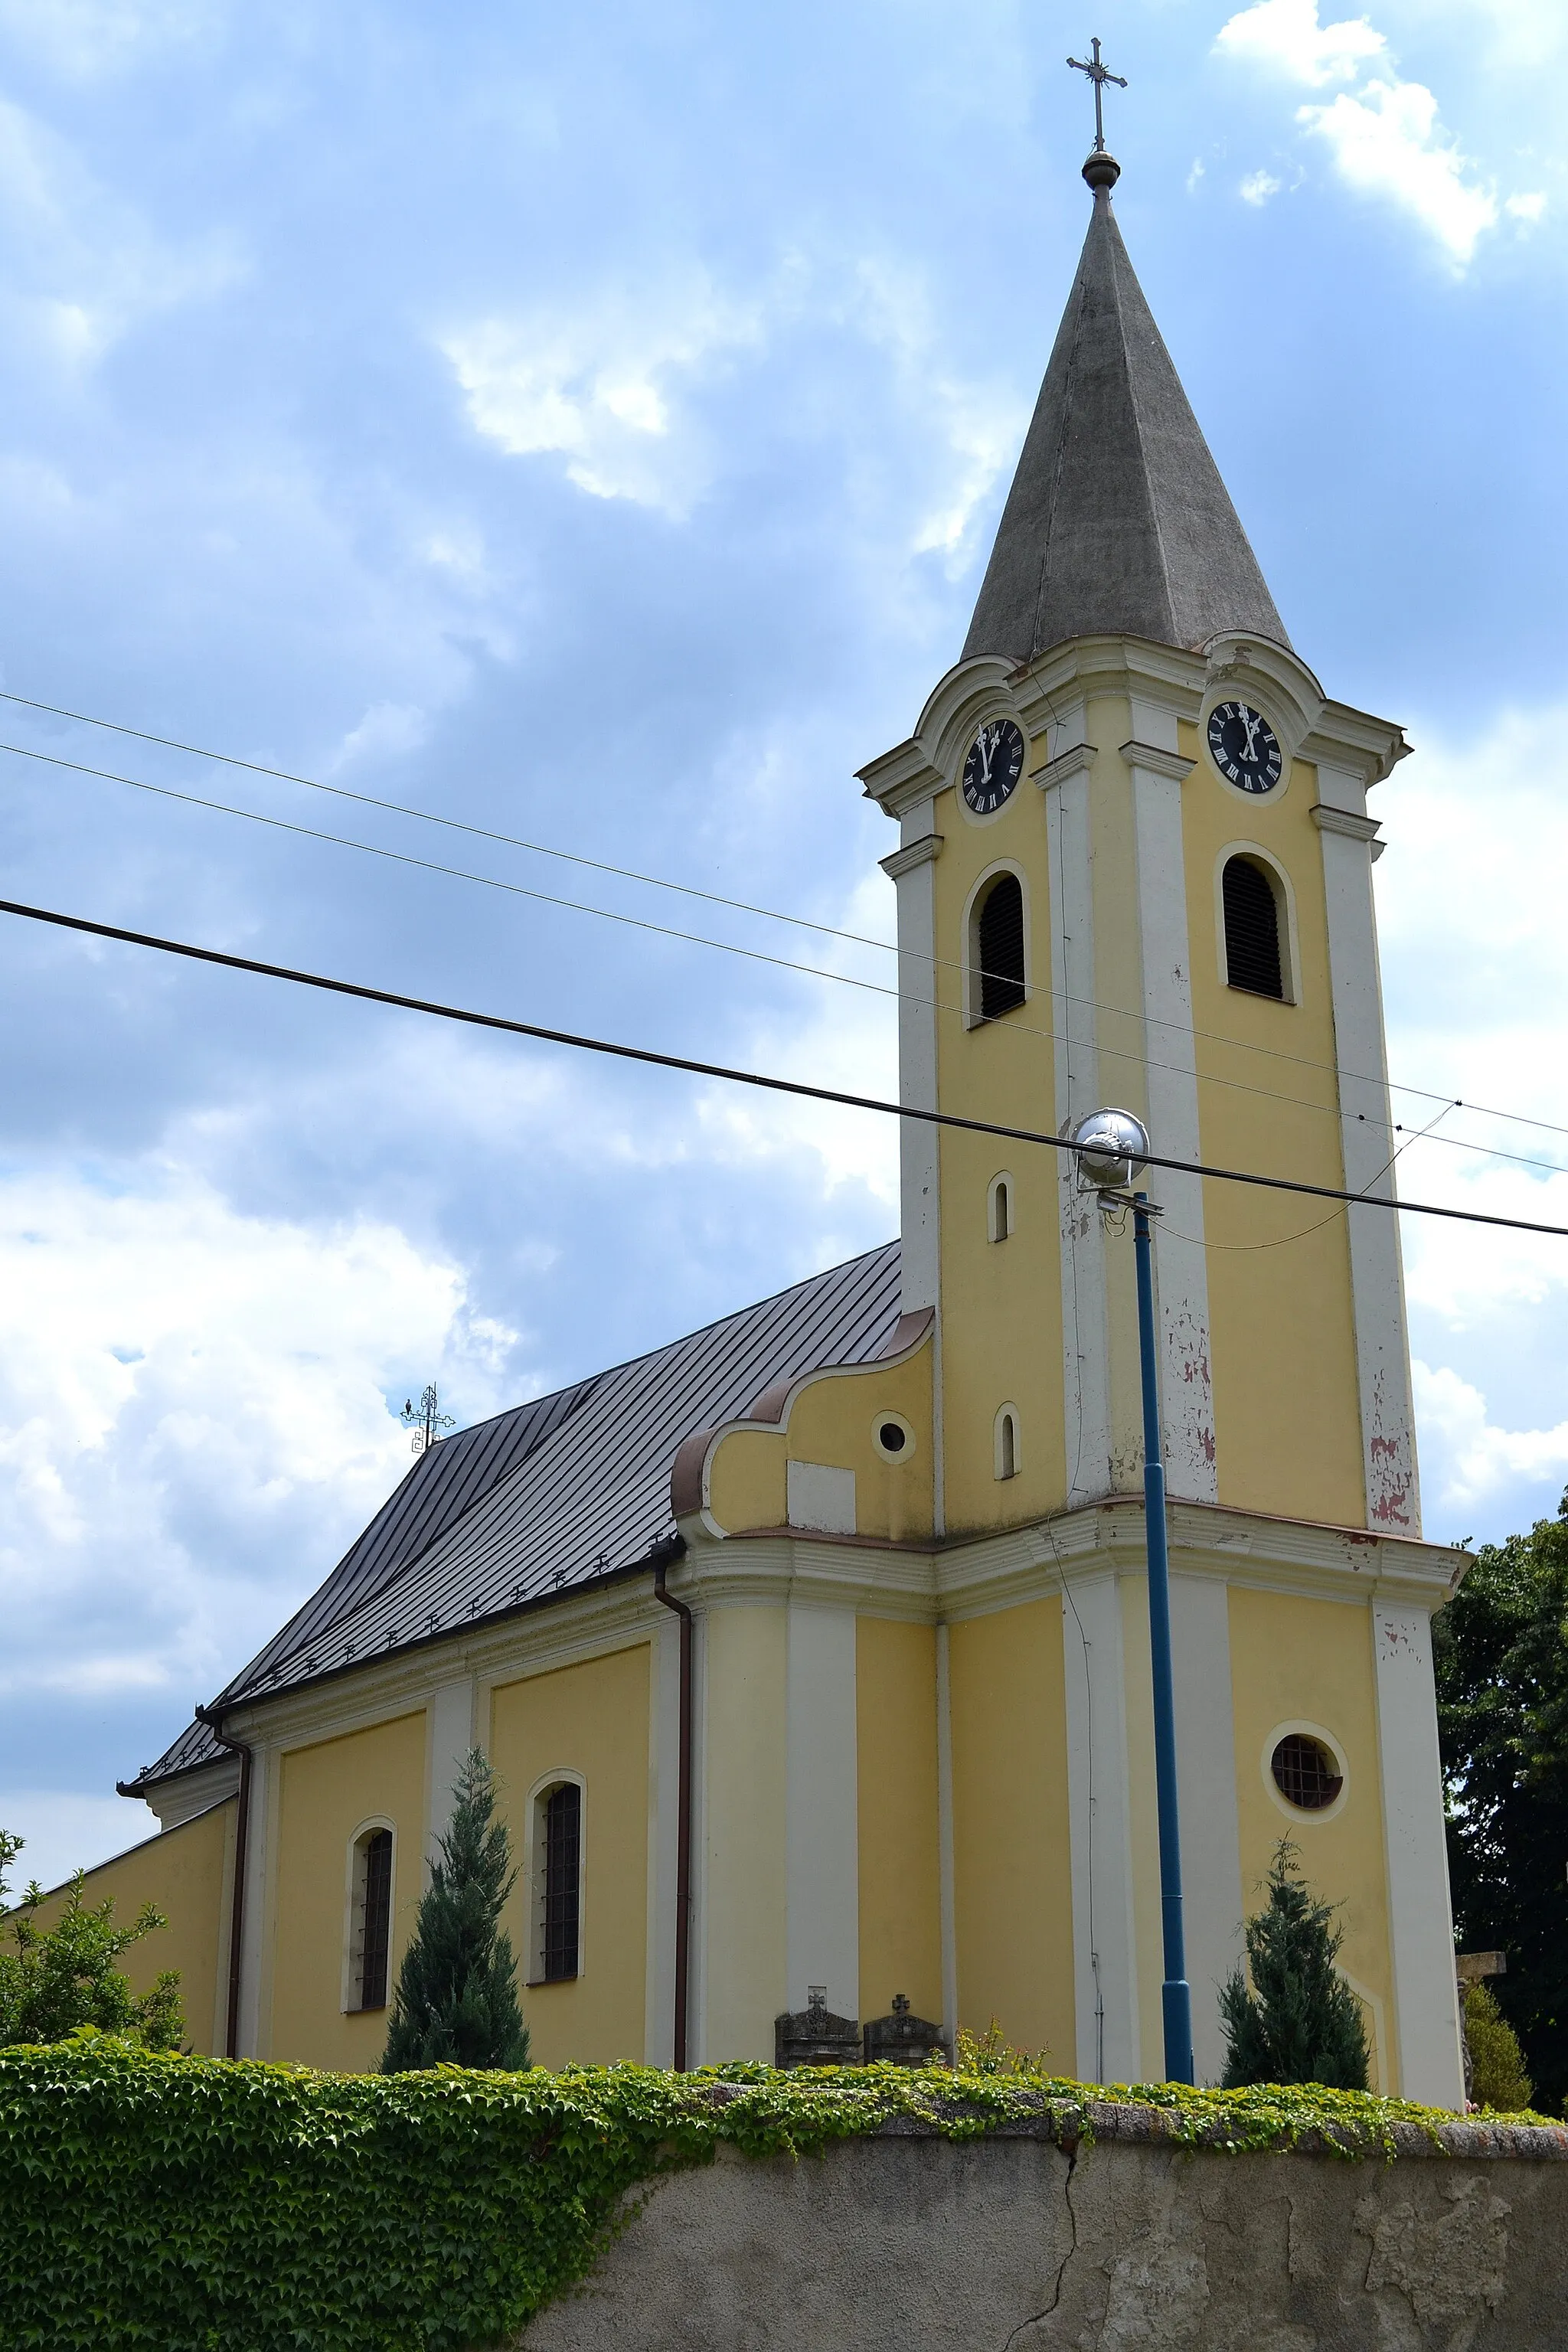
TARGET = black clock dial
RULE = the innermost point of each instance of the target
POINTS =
(1244, 747)
(994, 764)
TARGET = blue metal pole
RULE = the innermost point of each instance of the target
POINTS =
(1175, 1995)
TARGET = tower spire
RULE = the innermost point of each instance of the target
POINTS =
(1117, 523)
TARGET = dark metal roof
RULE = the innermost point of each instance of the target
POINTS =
(1117, 522)
(553, 1496)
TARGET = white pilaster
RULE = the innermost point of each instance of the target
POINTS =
(1087, 1383)
(920, 985)
(449, 1736)
(822, 1846)
(260, 1873)
(1421, 1928)
(1187, 1386)
(663, 1835)
(1205, 1778)
(1105, 1972)
(950, 2012)
(1377, 1275)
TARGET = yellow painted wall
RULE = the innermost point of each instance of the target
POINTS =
(1011, 1862)
(745, 1655)
(326, 1792)
(1002, 1301)
(591, 1719)
(1298, 1660)
(183, 1873)
(1286, 1406)
(901, 1913)
(832, 1420)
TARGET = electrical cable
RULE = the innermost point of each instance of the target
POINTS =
(732, 1076)
(724, 947)
(661, 882)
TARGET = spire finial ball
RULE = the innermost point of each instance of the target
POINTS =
(1102, 170)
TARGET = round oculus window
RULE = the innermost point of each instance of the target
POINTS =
(1306, 1773)
(893, 1437)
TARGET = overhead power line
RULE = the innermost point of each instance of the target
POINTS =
(731, 1077)
(730, 947)
(662, 882)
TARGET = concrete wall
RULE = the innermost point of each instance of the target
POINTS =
(910, 2243)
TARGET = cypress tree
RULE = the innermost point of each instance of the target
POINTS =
(1299, 2022)
(456, 2003)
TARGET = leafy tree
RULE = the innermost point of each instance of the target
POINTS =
(53, 1980)
(457, 1989)
(1300, 2023)
(1498, 2078)
(1500, 1654)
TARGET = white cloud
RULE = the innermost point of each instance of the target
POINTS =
(63, 1832)
(608, 390)
(82, 268)
(88, 40)
(1384, 133)
(1479, 1460)
(1388, 142)
(1286, 35)
(1194, 176)
(1258, 187)
(195, 1419)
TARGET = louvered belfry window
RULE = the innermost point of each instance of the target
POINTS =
(377, 1928)
(1252, 957)
(562, 1879)
(1000, 948)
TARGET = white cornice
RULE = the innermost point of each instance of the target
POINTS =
(1076, 761)
(1149, 756)
(1356, 828)
(924, 1584)
(914, 852)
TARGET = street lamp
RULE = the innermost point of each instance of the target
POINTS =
(1112, 1148)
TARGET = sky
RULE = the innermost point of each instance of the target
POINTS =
(589, 426)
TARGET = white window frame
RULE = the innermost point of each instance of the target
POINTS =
(1284, 892)
(534, 1859)
(970, 933)
(1304, 1817)
(1001, 1187)
(1006, 1415)
(353, 1911)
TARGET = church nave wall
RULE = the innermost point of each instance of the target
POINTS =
(326, 1792)
(589, 1722)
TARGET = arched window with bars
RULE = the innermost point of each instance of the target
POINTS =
(1253, 914)
(558, 1882)
(998, 979)
(370, 1919)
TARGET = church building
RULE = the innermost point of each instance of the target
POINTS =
(811, 1652)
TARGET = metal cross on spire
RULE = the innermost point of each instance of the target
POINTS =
(1099, 74)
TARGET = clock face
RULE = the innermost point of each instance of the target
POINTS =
(994, 764)
(1244, 747)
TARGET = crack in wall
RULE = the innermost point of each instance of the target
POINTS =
(1040, 2317)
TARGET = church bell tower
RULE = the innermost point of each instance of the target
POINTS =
(1135, 869)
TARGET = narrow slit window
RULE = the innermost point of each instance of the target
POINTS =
(562, 1880)
(1001, 1209)
(375, 1918)
(1252, 956)
(999, 948)
(1006, 1443)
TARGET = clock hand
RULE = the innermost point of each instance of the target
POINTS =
(983, 739)
(1252, 726)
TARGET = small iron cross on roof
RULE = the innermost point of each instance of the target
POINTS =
(1100, 75)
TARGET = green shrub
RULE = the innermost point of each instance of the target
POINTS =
(1498, 2078)
(457, 1989)
(151, 2202)
(53, 1979)
(1300, 2023)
